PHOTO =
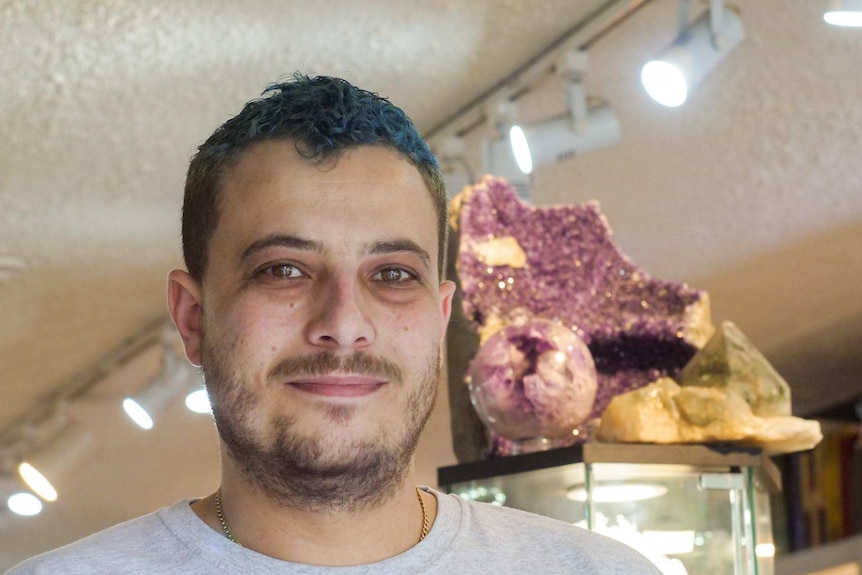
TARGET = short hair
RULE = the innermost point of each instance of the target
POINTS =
(324, 116)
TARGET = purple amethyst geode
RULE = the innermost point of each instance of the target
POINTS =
(561, 263)
(535, 380)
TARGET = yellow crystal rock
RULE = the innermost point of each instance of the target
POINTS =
(664, 412)
(730, 360)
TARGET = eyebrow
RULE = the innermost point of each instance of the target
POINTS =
(281, 240)
(400, 245)
(294, 242)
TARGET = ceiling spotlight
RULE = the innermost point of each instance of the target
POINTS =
(41, 469)
(18, 501)
(521, 149)
(698, 49)
(585, 126)
(500, 159)
(174, 377)
(198, 400)
(24, 503)
(145, 406)
(556, 138)
(844, 13)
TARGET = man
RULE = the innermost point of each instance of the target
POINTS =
(314, 226)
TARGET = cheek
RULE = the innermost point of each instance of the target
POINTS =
(264, 311)
(410, 331)
(260, 330)
(404, 321)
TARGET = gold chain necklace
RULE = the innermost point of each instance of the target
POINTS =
(424, 531)
(221, 519)
(229, 534)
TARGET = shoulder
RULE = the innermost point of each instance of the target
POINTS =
(514, 523)
(120, 546)
(549, 545)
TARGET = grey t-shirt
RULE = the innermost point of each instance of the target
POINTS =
(466, 538)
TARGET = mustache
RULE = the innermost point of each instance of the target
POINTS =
(327, 362)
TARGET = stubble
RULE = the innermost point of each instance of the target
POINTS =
(317, 473)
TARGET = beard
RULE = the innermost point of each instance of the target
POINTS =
(326, 472)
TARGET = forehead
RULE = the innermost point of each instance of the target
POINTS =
(365, 194)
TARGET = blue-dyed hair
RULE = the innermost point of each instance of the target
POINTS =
(324, 116)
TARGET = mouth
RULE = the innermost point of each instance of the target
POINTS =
(339, 385)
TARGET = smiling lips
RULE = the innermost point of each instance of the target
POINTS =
(339, 386)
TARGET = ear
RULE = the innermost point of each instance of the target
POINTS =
(447, 292)
(185, 305)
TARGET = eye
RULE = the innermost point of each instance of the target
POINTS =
(394, 276)
(282, 271)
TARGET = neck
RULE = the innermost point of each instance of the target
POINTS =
(331, 537)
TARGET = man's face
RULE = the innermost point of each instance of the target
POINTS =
(322, 320)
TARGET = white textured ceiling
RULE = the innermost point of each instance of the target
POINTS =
(752, 191)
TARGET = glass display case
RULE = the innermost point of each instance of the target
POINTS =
(692, 509)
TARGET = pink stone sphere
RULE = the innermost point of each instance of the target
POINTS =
(535, 380)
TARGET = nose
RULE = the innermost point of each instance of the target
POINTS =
(342, 317)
